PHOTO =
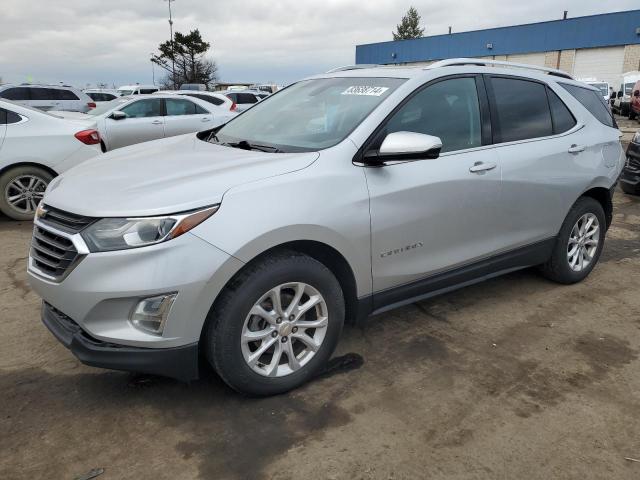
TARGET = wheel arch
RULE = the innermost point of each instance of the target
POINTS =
(603, 196)
(28, 164)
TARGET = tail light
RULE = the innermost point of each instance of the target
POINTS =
(88, 137)
(91, 105)
(234, 107)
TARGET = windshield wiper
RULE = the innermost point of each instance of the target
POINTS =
(244, 145)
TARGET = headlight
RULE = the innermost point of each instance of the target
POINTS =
(636, 137)
(110, 234)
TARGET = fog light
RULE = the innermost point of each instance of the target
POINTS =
(150, 315)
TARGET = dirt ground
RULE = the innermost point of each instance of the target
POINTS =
(515, 378)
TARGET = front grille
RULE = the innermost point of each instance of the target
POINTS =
(65, 221)
(52, 254)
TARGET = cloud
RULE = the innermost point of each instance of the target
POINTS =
(90, 41)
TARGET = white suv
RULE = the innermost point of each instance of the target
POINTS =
(48, 97)
(342, 195)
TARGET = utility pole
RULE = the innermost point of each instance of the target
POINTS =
(153, 69)
(173, 53)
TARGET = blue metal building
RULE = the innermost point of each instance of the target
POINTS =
(606, 44)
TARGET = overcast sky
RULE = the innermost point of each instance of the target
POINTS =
(89, 41)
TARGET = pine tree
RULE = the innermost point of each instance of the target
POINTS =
(409, 27)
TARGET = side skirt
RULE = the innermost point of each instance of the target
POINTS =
(460, 277)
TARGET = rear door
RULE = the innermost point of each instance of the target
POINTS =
(185, 116)
(534, 133)
(44, 99)
(144, 122)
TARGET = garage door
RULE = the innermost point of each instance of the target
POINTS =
(530, 58)
(599, 63)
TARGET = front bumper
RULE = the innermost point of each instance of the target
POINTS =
(177, 362)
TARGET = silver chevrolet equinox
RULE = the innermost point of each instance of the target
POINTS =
(342, 195)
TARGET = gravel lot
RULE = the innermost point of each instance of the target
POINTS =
(513, 378)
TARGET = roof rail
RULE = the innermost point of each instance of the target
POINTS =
(353, 67)
(452, 62)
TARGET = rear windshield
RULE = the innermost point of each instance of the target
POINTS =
(309, 115)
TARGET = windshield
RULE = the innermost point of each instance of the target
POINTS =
(309, 115)
(105, 107)
(603, 87)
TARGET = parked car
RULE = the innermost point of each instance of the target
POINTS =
(630, 179)
(135, 119)
(228, 106)
(245, 99)
(602, 86)
(634, 102)
(201, 87)
(48, 97)
(101, 95)
(35, 147)
(127, 90)
(623, 95)
(345, 194)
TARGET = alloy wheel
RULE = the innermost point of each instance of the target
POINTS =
(25, 192)
(284, 329)
(583, 242)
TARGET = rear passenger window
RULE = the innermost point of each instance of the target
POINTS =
(592, 101)
(43, 94)
(17, 93)
(180, 107)
(521, 110)
(562, 118)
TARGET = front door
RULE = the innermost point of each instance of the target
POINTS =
(144, 122)
(429, 216)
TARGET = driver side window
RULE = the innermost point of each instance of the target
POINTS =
(151, 107)
(448, 109)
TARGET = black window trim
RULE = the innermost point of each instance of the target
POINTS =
(492, 106)
(485, 122)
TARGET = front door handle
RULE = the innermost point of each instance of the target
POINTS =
(576, 148)
(206, 119)
(480, 167)
(156, 122)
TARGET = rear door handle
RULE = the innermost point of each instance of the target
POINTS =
(156, 122)
(576, 148)
(480, 167)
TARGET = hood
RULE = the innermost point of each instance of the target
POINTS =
(164, 176)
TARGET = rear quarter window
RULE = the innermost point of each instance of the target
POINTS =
(562, 117)
(66, 95)
(592, 101)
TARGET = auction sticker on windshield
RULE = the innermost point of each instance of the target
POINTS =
(365, 90)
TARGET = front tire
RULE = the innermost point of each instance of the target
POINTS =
(579, 244)
(21, 190)
(276, 325)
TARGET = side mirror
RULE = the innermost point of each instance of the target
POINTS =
(409, 146)
(118, 115)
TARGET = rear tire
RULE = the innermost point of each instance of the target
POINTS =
(630, 189)
(21, 190)
(238, 360)
(563, 267)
